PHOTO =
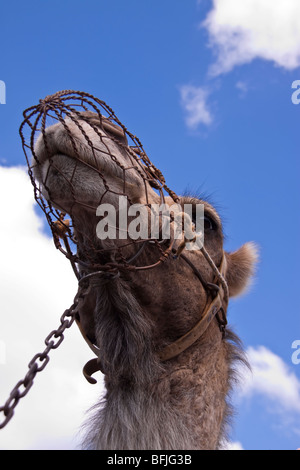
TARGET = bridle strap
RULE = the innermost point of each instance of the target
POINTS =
(210, 312)
(183, 343)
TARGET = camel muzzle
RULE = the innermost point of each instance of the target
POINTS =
(86, 127)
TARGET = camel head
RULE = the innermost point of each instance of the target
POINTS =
(84, 162)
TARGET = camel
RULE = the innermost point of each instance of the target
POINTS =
(153, 400)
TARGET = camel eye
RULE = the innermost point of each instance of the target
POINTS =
(209, 223)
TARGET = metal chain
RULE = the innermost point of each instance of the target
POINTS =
(40, 360)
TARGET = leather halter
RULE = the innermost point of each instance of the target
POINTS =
(216, 306)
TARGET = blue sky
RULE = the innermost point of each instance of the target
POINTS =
(207, 87)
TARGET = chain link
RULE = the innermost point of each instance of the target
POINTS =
(40, 360)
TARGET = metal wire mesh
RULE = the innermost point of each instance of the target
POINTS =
(79, 114)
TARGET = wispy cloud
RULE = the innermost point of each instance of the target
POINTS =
(273, 379)
(241, 31)
(194, 101)
(233, 446)
(242, 87)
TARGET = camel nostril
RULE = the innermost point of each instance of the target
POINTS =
(54, 172)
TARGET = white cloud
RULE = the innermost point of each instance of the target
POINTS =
(241, 31)
(242, 87)
(194, 102)
(233, 446)
(37, 284)
(272, 378)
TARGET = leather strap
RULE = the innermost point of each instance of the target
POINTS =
(173, 349)
(177, 347)
(89, 369)
(211, 310)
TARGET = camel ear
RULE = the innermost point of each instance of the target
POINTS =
(240, 268)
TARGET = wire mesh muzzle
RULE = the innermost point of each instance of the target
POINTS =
(87, 126)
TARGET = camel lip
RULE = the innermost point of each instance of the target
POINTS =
(58, 148)
(85, 147)
(99, 165)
